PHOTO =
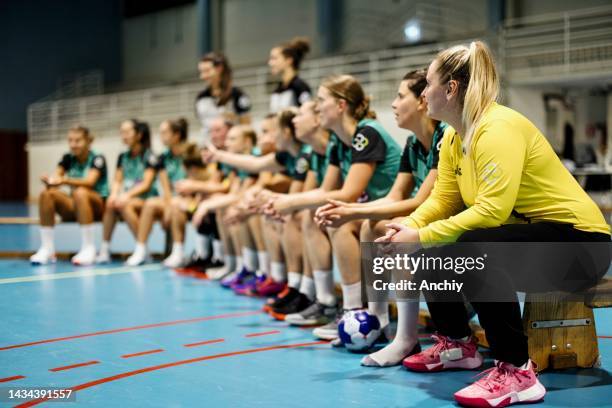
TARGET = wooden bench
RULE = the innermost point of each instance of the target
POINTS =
(560, 334)
(563, 334)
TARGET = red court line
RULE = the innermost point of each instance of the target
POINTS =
(70, 367)
(13, 378)
(202, 343)
(146, 326)
(173, 364)
(605, 337)
(142, 353)
(263, 333)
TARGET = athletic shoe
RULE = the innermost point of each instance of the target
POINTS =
(503, 385)
(212, 263)
(248, 288)
(137, 258)
(314, 315)
(194, 265)
(446, 354)
(239, 278)
(174, 260)
(103, 257)
(330, 330)
(270, 287)
(85, 257)
(295, 303)
(277, 300)
(43, 257)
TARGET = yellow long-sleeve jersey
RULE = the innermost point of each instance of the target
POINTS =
(510, 174)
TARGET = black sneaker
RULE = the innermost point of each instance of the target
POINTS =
(314, 315)
(298, 302)
(211, 263)
(285, 296)
(195, 265)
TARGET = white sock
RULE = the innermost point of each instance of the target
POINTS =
(105, 247)
(177, 250)
(380, 310)
(239, 262)
(46, 239)
(294, 280)
(230, 262)
(202, 246)
(277, 271)
(405, 338)
(351, 296)
(87, 236)
(307, 287)
(249, 257)
(263, 259)
(140, 248)
(324, 285)
(217, 249)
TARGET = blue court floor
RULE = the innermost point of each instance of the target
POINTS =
(145, 336)
(148, 337)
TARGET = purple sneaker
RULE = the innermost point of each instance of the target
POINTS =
(249, 287)
(236, 279)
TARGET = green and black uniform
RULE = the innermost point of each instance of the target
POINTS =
(77, 170)
(319, 162)
(296, 167)
(417, 161)
(371, 143)
(173, 166)
(134, 167)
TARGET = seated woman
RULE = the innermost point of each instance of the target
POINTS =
(133, 183)
(362, 167)
(414, 182)
(499, 180)
(170, 170)
(84, 171)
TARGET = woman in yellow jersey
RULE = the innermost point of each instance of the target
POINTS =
(495, 167)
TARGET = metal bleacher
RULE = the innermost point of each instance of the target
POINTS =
(536, 49)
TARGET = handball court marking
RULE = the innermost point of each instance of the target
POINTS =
(126, 374)
(146, 326)
(83, 273)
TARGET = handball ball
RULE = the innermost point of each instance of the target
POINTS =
(358, 330)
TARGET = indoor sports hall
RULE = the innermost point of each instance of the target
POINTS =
(195, 195)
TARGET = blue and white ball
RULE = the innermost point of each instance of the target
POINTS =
(358, 330)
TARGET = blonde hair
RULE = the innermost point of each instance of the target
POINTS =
(348, 88)
(474, 70)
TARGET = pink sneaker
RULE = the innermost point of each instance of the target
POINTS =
(501, 386)
(446, 354)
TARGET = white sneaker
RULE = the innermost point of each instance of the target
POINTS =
(43, 257)
(85, 257)
(219, 273)
(137, 258)
(103, 257)
(175, 260)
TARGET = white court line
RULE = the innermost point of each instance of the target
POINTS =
(82, 274)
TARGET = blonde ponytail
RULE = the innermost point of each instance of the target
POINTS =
(474, 70)
(482, 89)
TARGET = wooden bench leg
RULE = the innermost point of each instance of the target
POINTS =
(561, 334)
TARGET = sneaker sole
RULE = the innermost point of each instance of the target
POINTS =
(469, 363)
(301, 322)
(277, 316)
(531, 395)
(324, 336)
